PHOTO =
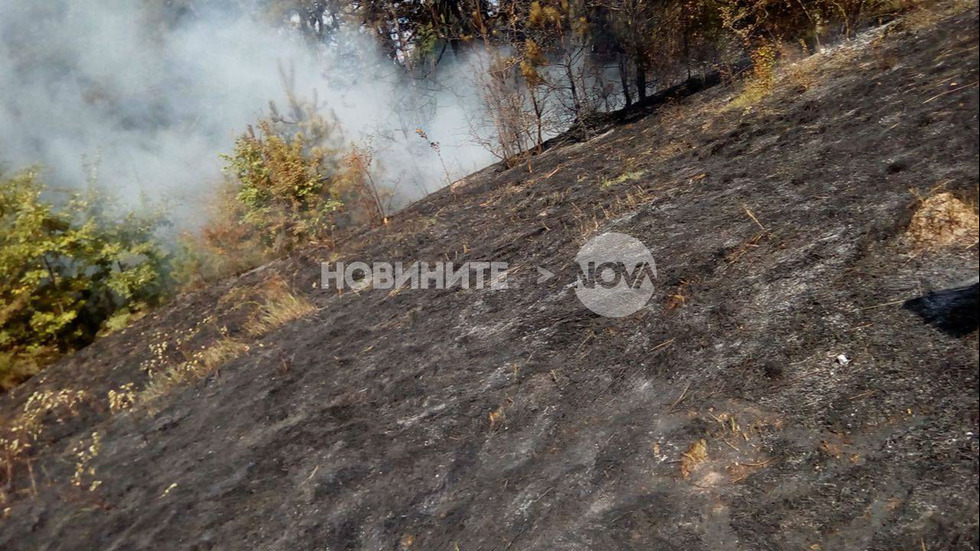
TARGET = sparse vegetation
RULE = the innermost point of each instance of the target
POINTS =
(201, 364)
(18, 436)
(279, 306)
(84, 476)
(588, 223)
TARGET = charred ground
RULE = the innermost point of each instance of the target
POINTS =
(718, 417)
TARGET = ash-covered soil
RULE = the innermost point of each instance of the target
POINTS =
(717, 417)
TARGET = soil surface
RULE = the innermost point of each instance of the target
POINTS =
(773, 394)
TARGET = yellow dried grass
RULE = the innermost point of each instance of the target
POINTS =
(942, 220)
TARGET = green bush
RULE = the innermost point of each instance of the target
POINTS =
(66, 269)
(284, 192)
(291, 182)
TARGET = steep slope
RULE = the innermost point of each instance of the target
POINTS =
(720, 416)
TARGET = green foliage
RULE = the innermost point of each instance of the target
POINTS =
(426, 40)
(290, 183)
(283, 186)
(65, 270)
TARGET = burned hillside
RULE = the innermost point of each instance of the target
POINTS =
(778, 391)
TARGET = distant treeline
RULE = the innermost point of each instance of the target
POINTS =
(548, 63)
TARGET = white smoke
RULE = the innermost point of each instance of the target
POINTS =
(153, 106)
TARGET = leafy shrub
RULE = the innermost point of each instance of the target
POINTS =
(284, 192)
(291, 181)
(65, 270)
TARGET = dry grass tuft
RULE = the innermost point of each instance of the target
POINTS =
(280, 307)
(623, 178)
(694, 456)
(199, 366)
(943, 220)
(587, 224)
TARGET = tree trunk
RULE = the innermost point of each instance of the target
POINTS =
(576, 104)
(687, 54)
(641, 82)
(624, 79)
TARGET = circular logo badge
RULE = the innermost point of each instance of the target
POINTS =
(616, 274)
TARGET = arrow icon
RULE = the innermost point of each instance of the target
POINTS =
(544, 275)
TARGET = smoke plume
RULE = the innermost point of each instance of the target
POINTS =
(112, 87)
